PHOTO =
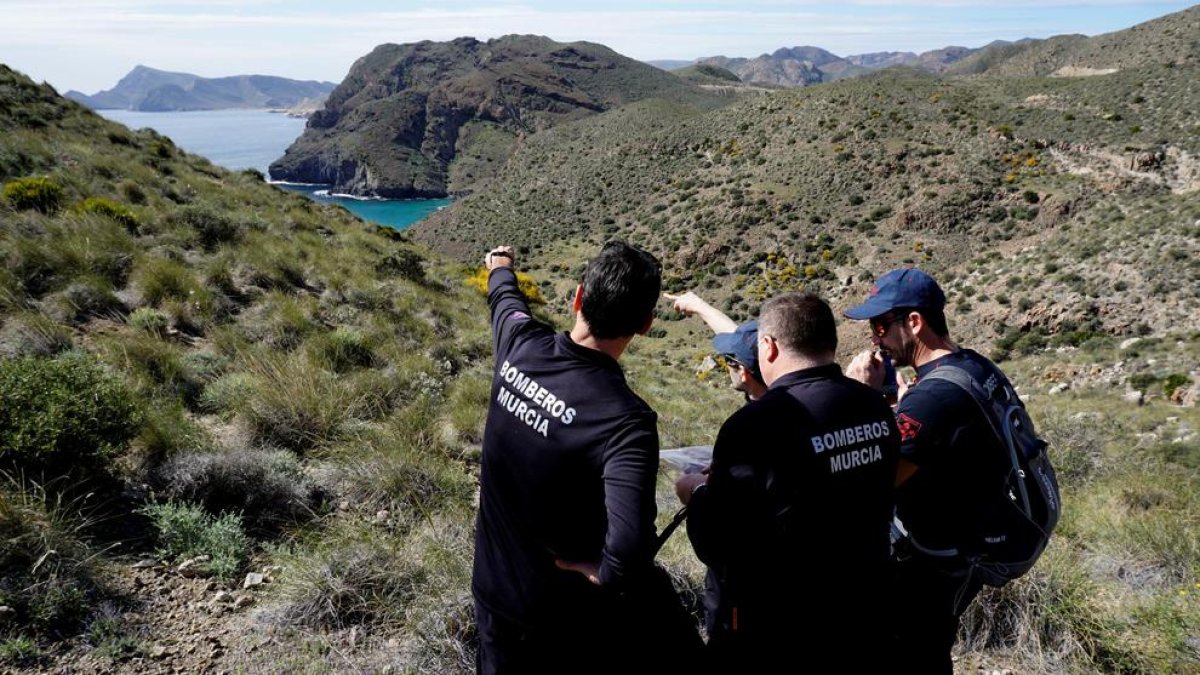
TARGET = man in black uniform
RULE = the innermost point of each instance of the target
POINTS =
(564, 540)
(951, 464)
(795, 513)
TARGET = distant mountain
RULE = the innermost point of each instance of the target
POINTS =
(1170, 40)
(432, 118)
(704, 73)
(803, 66)
(670, 64)
(154, 90)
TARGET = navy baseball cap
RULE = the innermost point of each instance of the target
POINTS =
(900, 288)
(741, 344)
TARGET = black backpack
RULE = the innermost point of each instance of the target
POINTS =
(1015, 529)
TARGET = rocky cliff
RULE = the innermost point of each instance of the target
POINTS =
(434, 118)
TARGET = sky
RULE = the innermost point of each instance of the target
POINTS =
(90, 44)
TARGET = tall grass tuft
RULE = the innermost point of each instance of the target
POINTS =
(359, 577)
(49, 565)
(297, 405)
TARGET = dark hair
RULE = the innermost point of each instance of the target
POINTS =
(620, 289)
(936, 318)
(801, 323)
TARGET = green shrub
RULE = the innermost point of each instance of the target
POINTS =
(132, 191)
(39, 194)
(1175, 381)
(227, 394)
(267, 487)
(404, 263)
(64, 410)
(107, 208)
(1143, 381)
(148, 319)
(188, 531)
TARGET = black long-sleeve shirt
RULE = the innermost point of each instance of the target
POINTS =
(570, 456)
(796, 514)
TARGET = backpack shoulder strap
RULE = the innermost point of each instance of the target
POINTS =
(994, 411)
(991, 408)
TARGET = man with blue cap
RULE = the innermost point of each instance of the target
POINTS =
(737, 344)
(950, 463)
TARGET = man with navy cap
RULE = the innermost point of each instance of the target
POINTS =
(950, 462)
(737, 344)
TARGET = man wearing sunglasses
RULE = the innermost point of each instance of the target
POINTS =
(947, 470)
(736, 344)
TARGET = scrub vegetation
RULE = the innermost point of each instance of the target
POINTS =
(240, 431)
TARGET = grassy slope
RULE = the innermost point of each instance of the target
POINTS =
(247, 322)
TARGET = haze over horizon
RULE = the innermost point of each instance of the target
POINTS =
(89, 45)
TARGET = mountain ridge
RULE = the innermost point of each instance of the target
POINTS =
(152, 90)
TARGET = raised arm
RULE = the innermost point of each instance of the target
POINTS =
(691, 304)
(508, 305)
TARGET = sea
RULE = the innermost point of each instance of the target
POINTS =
(252, 139)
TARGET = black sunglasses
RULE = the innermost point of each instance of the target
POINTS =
(880, 325)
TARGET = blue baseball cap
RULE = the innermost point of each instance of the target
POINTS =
(742, 345)
(900, 288)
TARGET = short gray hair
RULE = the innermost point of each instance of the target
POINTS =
(802, 323)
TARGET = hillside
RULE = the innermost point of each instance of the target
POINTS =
(1172, 40)
(197, 366)
(704, 73)
(994, 182)
(152, 90)
(434, 118)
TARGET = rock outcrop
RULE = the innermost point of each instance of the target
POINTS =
(435, 118)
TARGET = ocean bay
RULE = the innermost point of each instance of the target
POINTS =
(252, 139)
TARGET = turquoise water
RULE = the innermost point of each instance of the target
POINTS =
(397, 213)
(252, 139)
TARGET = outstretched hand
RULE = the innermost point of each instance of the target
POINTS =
(688, 303)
